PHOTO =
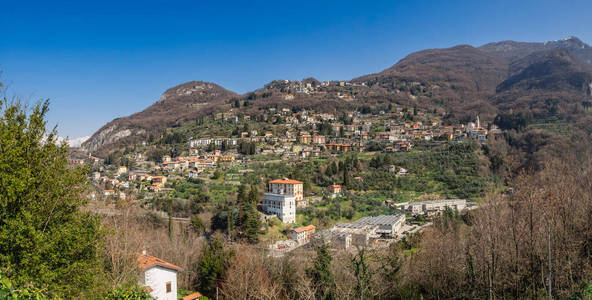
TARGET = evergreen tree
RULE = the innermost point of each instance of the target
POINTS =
(345, 176)
(229, 223)
(251, 226)
(331, 169)
(212, 265)
(356, 164)
(253, 195)
(320, 274)
(197, 224)
(251, 222)
(45, 239)
(240, 199)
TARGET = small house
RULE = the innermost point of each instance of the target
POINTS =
(159, 276)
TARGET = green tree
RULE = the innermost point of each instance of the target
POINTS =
(8, 291)
(212, 265)
(345, 176)
(241, 197)
(133, 292)
(197, 224)
(320, 273)
(330, 169)
(251, 226)
(253, 195)
(45, 240)
(251, 222)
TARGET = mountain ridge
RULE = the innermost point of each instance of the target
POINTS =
(456, 82)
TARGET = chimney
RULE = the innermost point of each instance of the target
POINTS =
(144, 250)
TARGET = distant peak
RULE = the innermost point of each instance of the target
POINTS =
(571, 42)
(572, 38)
(191, 88)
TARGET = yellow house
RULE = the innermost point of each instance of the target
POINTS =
(121, 170)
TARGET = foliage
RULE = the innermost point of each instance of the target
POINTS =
(44, 238)
(8, 291)
(320, 273)
(197, 224)
(246, 148)
(515, 121)
(217, 174)
(452, 169)
(133, 292)
(212, 265)
(249, 221)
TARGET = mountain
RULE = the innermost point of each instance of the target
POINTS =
(552, 83)
(553, 70)
(77, 142)
(512, 50)
(176, 105)
(543, 79)
(463, 69)
(460, 79)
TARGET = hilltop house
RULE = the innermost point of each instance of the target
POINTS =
(318, 139)
(305, 138)
(193, 174)
(334, 190)
(121, 170)
(159, 276)
(281, 198)
(302, 234)
(157, 183)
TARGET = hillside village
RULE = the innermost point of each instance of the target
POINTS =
(183, 164)
(435, 178)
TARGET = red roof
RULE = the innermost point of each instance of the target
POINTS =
(193, 296)
(146, 261)
(305, 228)
(286, 181)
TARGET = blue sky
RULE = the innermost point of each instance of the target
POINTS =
(99, 60)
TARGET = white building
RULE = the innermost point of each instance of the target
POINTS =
(159, 276)
(470, 127)
(388, 225)
(433, 206)
(363, 231)
(302, 234)
(281, 198)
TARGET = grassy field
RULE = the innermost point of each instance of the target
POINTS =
(560, 128)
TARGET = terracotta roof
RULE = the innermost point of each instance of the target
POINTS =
(335, 186)
(193, 296)
(146, 261)
(286, 181)
(304, 228)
